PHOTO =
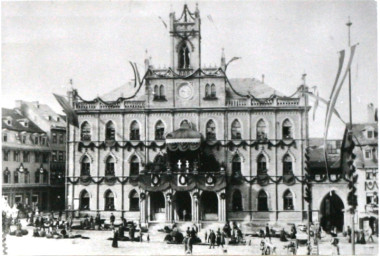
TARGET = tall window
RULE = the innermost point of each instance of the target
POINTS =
(84, 203)
(110, 131)
(110, 166)
(262, 201)
(210, 130)
(236, 165)
(160, 130)
(5, 155)
(237, 201)
(287, 165)
(134, 201)
(26, 177)
(61, 139)
(6, 176)
(45, 158)
(36, 140)
(213, 91)
(184, 58)
(134, 166)
(85, 132)
(85, 166)
(16, 156)
(15, 177)
(54, 138)
(261, 130)
(25, 156)
(207, 91)
(162, 91)
(156, 92)
(109, 204)
(135, 131)
(287, 131)
(54, 156)
(5, 137)
(261, 165)
(288, 200)
(37, 157)
(37, 177)
(45, 177)
(236, 130)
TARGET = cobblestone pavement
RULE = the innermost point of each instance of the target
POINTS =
(99, 245)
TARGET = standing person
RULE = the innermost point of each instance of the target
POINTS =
(115, 239)
(193, 233)
(283, 236)
(188, 232)
(148, 238)
(190, 245)
(349, 233)
(223, 239)
(112, 220)
(335, 243)
(267, 231)
(185, 242)
(206, 236)
(218, 238)
(212, 239)
(184, 214)
(132, 232)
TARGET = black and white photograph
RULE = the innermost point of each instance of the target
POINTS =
(189, 127)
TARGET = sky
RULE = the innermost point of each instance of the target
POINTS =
(45, 44)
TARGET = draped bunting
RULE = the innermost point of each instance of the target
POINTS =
(184, 146)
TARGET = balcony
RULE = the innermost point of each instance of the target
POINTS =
(136, 104)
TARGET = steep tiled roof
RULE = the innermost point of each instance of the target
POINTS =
(15, 117)
(45, 111)
(256, 87)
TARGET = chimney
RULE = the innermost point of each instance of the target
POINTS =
(223, 61)
(371, 113)
(262, 78)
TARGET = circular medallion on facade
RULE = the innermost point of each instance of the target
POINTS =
(223, 195)
(185, 91)
(155, 179)
(182, 179)
(142, 196)
(210, 179)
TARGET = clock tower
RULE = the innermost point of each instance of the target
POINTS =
(185, 32)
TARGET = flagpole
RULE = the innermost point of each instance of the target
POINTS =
(349, 24)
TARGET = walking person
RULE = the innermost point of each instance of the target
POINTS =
(206, 236)
(115, 239)
(349, 233)
(218, 238)
(370, 233)
(335, 243)
(212, 239)
(132, 232)
(267, 231)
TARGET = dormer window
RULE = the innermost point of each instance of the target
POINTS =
(58, 119)
(368, 153)
(370, 134)
(50, 118)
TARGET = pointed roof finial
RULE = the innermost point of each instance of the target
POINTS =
(349, 23)
(304, 78)
(223, 56)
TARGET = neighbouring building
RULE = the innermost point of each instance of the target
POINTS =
(25, 163)
(55, 127)
(366, 151)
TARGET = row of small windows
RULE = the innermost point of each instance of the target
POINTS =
(236, 130)
(57, 138)
(159, 92)
(210, 91)
(261, 164)
(38, 177)
(25, 156)
(109, 201)
(236, 165)
(262, 201)
(35, 139)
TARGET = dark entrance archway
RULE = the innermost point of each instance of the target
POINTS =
(182, 201)
(157, 206)
(332, 214)
(209, 206)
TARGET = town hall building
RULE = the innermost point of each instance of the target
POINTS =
(189, 144)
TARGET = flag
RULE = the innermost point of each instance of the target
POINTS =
(319, 98)
(163, 22)
(72, 117)
(210, 18)
(134, 72)
(346, 151)
(316, 102)
(233, 59)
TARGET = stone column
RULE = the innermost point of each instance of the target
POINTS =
(221, 206)
(195, 206)
(169, 206)
(143, 208)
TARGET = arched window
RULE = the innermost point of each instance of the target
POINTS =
(237, 201)
(261, 165)
(110, 131)
(109, 204)
(37, 177)
(213, 91)
(45, 177)
(210, 130)
(184, 58)
(159, 163)
(162, 91)
(185, 124)
(287, 130)
(288, 200)
(110, 166)
(85, 166)
(261, 130)
(134, 166)
(15, 177)
(159, 130)
(84, 203)
(236, 130)
(156, 92)
(262, 201)
(134, 205)
(207, 91)
(85, 132)
(287, 165)
(135, 131)
(236, 165)
(6, 176)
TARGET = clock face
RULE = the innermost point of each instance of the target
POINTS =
(185, 91)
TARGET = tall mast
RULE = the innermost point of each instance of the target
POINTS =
(349, 23)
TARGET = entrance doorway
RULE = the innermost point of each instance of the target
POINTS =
(182, 202)
(157, 206)
(209, 206)
(332, 214)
